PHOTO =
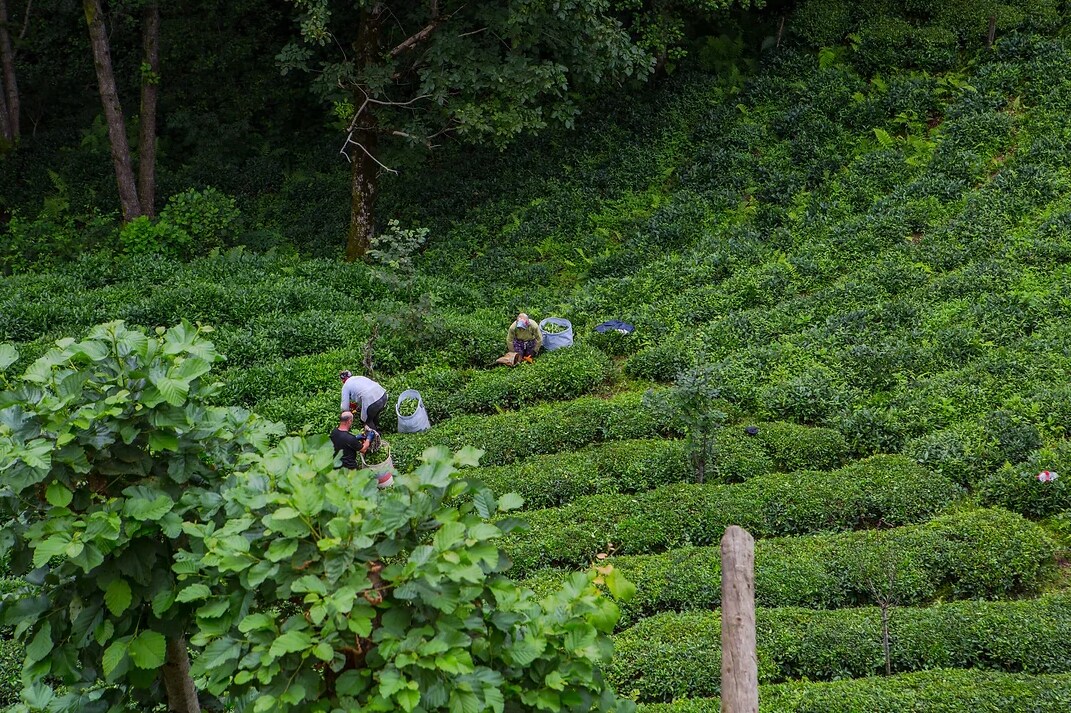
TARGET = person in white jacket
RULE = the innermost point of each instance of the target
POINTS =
(362, 391)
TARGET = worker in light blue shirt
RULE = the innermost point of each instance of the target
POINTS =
(362, 391)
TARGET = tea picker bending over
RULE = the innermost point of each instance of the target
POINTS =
(360, 390)
(524, 337)
(349, 444)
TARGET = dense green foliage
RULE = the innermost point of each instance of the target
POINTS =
(140, 515)
(679, 654)
(637, 465)
(979, 554)
(109, 447)
(856, 241)
(942, 691)
(888, 490)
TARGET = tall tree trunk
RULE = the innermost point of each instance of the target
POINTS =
(11, 87)
(5, 127)
(364, 183)
(364, 188)
(181, 693)
(113, 112)
(150, 86)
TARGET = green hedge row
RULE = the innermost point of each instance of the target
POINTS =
(307, 375)
(303, 391)
(882, 490)
(638, 465)
(939, 691)
(674, 655)
(549, 428)
(974, 554)
(11, 655)
(1017, 488)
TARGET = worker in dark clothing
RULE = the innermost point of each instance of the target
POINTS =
(349, 444)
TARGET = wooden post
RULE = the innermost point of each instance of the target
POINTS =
(992, 32)
(739, 661)
(780, 31)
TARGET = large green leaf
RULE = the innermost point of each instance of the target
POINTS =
(52, 547)
(147, 649)
(114, 655)
(143, 509)
(118, 596)
(8, 356)
(193, 593)
(41, 646)
(290, 642)
(163, 441)
(173, 391)
(484, 501)
(57, 494)
(191, 368)
(215, 654)
(510, 501)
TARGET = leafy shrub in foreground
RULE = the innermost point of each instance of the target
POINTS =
(939, 691)
(983, 553)
(672, 655)
(143, 515)
(374, 598)
(108, 445)
(889, 490)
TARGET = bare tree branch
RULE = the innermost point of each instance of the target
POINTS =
(411, 41)
(422, 34)
(25, 22)
(358, 144)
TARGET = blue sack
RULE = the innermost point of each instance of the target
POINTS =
(557, 340)
(615, 325)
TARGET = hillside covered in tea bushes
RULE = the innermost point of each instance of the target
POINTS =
(871, 255)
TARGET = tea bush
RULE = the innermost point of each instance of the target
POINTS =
(673, 654)
(883, 490)
(1017, 488)
(939, 691)
(305, 391)
(512, 437)
(638, 465)
(985, 553)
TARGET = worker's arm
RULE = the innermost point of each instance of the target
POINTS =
(539, 336)
(511, 334)
(345, 399)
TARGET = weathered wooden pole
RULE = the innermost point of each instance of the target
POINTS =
(992, 32)
(739, 661)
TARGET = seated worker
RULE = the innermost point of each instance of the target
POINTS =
(524, 337)
(360, 390)
(348, 444)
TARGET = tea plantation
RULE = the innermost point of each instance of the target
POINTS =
(875, 267)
